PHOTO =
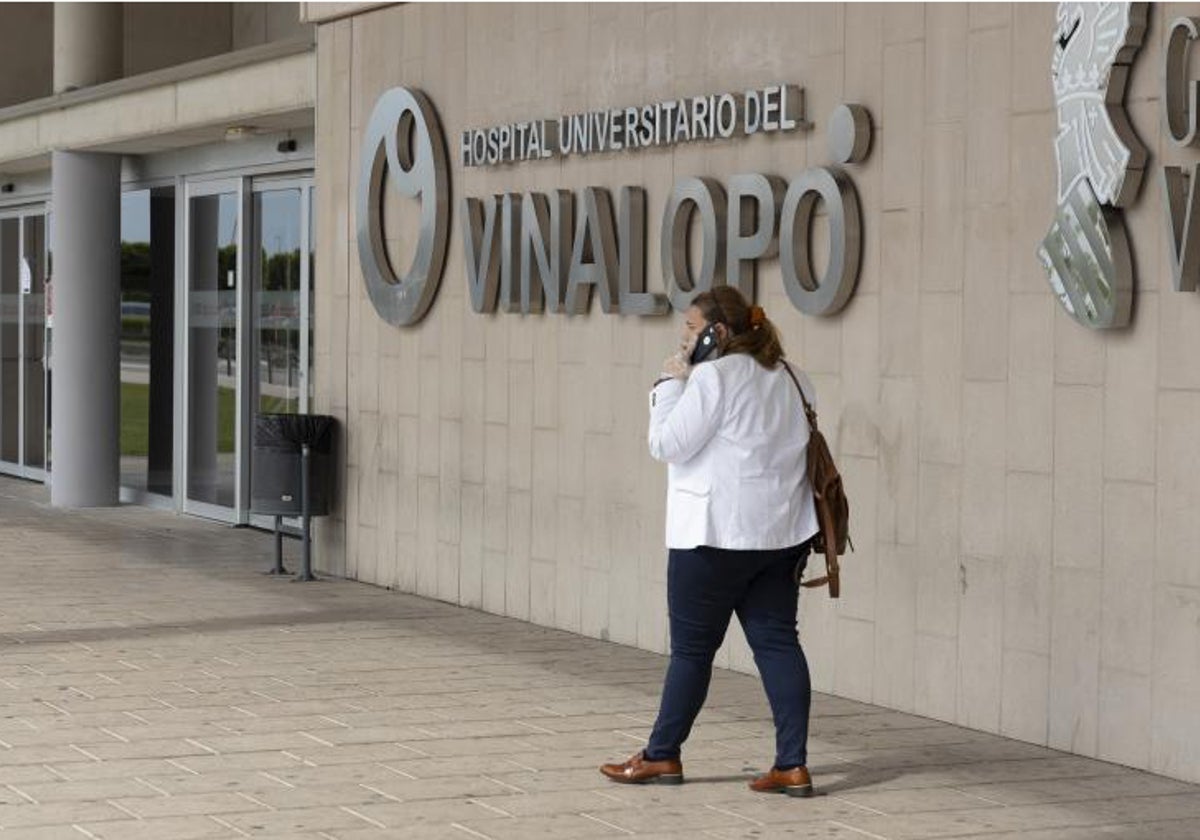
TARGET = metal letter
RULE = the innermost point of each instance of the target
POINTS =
(770, 108)
(1100, 161)
(682, 129)
(1180, 108)
(631, 123)
(416, 167)
(505, 143)
(647, 131)
(493, 153)
(464, 145)
(699, 117)
(727, 110)
(791, 107)
(1183, 233)
(479, 147)
(564, 135)
(600, 120)
(754, 202)
(481, 245)
(631, 249)
(510, 252)
(545, 238)
(829, 294)
(583, 134)
(668, 122)
(849, 134)
(707, 197)
(594, 256)
(753, 106)
(528, 142)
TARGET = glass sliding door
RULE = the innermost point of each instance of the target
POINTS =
(309, 298)
(10, 344)
(33, 350)
(23, 362)
(214, 353)
(249, 345)
(281, 245)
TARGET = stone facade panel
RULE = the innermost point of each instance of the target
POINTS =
(1027, 566)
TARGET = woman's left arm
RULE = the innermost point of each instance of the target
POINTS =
(682, 423)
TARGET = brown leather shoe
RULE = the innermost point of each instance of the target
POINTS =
(792, 782)
(638, 771)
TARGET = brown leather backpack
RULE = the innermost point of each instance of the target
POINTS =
(833, 508)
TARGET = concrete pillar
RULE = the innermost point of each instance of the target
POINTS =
(86, 360)
(89, 44)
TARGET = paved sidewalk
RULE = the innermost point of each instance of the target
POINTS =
(154, 685)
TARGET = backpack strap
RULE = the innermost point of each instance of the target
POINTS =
(833, 570)
(809, 412)
(824, 517)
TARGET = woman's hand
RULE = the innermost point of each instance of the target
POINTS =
(677, 365)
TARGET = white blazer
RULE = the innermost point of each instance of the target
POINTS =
(735, 439)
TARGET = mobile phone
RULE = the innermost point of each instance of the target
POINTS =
(706, 343)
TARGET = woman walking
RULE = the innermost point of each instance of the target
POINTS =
(727, 418)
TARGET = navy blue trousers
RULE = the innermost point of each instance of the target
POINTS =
(705, 587)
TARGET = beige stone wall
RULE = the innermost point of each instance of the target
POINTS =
(26, 63)
(156, 35)
(261, 23)
(1025, 491)
(327, 12)
(165, 34)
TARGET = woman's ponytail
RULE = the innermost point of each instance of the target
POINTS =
(750, 331)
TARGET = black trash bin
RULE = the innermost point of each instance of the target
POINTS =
(275, 463)
(292, 473)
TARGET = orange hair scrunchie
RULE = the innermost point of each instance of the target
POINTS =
(757, 316)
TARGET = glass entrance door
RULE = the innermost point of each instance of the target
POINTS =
(281, 248)
(214, 436)
(23, 370)
(248, 326)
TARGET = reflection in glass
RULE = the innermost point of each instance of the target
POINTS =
(147, 338)
(312, 298)
(49, 348)
(212, 349)
(10, 340)
(278, 381)
(33, 296)
(23, 404)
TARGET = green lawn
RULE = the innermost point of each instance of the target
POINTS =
(135, 417)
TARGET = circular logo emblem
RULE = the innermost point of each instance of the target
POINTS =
(403, 146)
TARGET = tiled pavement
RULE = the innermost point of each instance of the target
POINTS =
(154, 685)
